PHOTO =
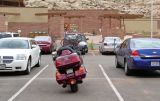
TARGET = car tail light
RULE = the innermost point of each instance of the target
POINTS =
(135, 53)
(105, 44)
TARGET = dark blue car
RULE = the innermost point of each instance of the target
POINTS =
(139, 54)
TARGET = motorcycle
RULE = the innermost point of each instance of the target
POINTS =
(70, 68)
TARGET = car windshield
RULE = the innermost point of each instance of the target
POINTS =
(143, 43)
(13, 44)
(42, 39)
(111, 39)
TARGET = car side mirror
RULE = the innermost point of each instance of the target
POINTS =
(54, 55)
(33, 46)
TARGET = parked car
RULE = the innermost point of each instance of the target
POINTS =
(81, 41)
(19, 54)
(46, 43)
(139, 54)
(8, 34)
(109, 44)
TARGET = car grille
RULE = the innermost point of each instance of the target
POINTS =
(6, 59)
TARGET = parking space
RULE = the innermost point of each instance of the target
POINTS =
(140, 86)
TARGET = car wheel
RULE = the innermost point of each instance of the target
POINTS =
(126, 69)
(87, 51)
(83, 53)
(28, 68)
(39, 62)
(117, 63)
(102, 53)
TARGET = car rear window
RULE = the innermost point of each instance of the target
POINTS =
(145, 43)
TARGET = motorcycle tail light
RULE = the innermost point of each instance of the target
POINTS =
(58, 75)
(82, 70)
(73, 81)
(58, 63)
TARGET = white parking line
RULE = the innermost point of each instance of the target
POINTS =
(111, 84)
(27, 84)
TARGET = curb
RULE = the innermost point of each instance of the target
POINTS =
(93, 50)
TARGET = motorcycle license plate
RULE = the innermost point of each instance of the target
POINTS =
(69, 71)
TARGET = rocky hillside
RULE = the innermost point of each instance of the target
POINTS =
(125, 6)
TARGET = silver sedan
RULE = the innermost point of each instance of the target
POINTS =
(109, 44)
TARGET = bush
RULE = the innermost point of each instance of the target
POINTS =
(91, 46)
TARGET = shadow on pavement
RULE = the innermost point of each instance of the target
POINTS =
(20, 73)
(145, 74)
(109, 54)
(11, 74)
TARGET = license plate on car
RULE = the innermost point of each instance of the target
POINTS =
(2, 66)
(155, 64)
(69, 71)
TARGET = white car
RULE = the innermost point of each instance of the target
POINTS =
(109, 44)
(19, 54)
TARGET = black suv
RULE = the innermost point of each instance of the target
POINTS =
(81, 41)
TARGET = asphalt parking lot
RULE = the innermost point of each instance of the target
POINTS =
(104, 82)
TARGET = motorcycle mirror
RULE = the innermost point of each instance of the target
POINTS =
(54, 55)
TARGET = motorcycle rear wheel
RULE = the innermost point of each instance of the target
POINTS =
(74, 87)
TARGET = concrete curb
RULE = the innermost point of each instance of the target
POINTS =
(96, 50)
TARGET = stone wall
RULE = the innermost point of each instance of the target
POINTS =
(26, 28)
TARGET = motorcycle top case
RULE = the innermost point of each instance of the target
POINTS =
(66, 61)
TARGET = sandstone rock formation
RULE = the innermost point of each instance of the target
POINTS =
(126, 6)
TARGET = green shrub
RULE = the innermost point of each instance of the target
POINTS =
(91, 46)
